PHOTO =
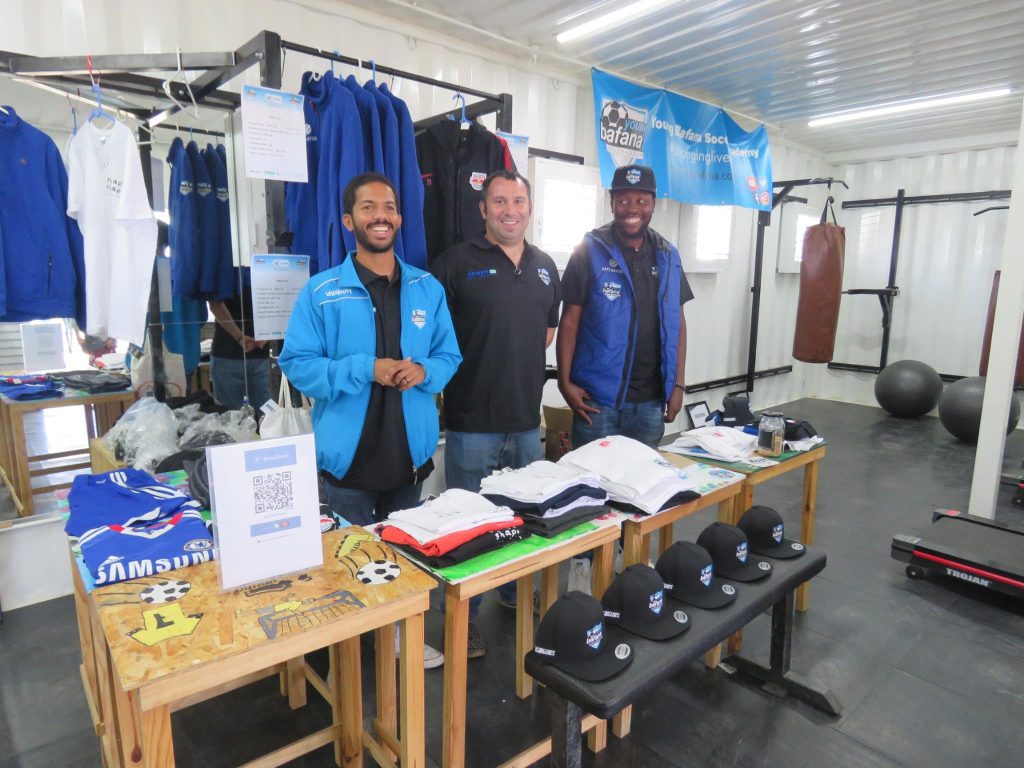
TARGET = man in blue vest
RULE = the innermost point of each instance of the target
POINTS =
(622, 337)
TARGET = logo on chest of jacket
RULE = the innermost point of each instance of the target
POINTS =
(476, 180)
(544, 276)
(478, 273)
(203, 188)
(419, 317)
(611, 291)
(185, 188)
(339, 292)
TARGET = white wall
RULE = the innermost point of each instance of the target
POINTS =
(946, 261)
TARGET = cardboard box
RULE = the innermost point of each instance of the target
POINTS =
(557, 432)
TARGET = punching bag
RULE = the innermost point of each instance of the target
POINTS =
(986, 343)
(821, 286)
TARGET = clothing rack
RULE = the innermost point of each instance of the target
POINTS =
(887, 294)
(125, 75)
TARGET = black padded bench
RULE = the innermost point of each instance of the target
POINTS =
(654, 662)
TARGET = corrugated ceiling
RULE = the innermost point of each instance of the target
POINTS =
(785, 61)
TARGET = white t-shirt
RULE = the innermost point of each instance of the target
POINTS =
(107, 195)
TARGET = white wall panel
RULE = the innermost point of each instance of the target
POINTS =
(946, 261)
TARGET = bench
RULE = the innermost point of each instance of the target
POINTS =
(654, 662)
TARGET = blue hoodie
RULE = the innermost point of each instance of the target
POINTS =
(42, 268)
(330, 348)
(604, 352)
(334, 156)
(224, 284)
(182, 232)
(206, 218)
(389, 147)
(414, 236)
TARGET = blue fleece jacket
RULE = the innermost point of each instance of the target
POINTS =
(604, 352)
(206, 218)
(389, 147)
(42, 269)
(334, 156)
(330, 349)
(414, 236)
(183, 232)
(373, 148)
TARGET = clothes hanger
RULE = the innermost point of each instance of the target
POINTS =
(99, 111)
(463, 120)
(373, 71)
(181, 77)
(74, 115)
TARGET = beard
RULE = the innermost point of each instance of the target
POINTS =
(373, 246)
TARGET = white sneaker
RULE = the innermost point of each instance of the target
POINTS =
(579, 575)
(432, 658)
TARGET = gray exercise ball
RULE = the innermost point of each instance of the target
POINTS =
(908, 388)
(960, 408)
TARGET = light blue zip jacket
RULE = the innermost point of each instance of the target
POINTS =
(330, 348)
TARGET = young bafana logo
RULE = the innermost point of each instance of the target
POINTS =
(705, 575)
(777, 533)
(544, 276)
(595, 636)
(419, 317)
(741, 552)
(633, 176)
(623, 129)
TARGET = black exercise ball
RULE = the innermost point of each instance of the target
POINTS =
(908, 388)
(960, 408)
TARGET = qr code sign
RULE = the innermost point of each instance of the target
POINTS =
(272, 492)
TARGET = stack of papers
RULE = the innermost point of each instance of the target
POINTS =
(631, 472)
(452, 511)
(717, 443)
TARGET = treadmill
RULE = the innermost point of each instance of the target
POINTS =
(974, 549)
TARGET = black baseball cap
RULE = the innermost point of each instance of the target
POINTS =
(571, 637)
(766, 534)
(635, 601)
(687, 571)
(730, 553)
(634, 177)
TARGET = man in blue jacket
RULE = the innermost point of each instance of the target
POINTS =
(622, 337)
(372, 342)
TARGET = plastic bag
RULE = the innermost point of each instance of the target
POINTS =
(146, 434)
(210, 429)
(288, 420)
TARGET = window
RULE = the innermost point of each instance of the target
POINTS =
(803, 221)
(568, 202)
(714, 235)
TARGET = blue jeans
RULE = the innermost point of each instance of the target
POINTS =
(640, 421)
(366, 508)
(229, 375)
(469, 457)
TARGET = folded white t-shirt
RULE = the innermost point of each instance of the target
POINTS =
(454, 510)
(537, 482)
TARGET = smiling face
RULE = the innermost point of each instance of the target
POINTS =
(632, 212)
(374, 219)
(506, 211)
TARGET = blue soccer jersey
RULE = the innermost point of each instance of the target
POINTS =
(121, 497)
(119, 552)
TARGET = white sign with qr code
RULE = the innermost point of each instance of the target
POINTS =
(266, 509)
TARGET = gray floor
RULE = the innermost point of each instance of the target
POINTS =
(928, 673)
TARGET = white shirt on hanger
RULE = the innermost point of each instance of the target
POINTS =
(107, 195)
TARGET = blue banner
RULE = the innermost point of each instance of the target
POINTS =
(699, 154)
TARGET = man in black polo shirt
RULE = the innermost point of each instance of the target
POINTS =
(622, 338)
(503, 294)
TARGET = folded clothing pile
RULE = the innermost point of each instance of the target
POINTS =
(551, 498)
(35, 387)
(452, 528)
(636, 477)
(95, 382)
(130, 526)
(717, 443)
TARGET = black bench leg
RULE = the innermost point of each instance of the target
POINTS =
(779, 680)
(566, 734)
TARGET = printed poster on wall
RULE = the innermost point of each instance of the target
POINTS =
(699, 154)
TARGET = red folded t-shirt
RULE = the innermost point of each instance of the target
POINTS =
(443, 544)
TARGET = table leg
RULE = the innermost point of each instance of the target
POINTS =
(92, 418)
(632, 545)
(664, 539)
(387, 709)
(713, 657)
(524, 634)
(601, 571)
(346, 684)
(548, 588)
(807, 525)
(295, 670)
(413, 692)
(157, 744)
(645, 549)
(725, 513)
(21, 480)
(456, 641)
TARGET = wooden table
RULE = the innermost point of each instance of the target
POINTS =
(521, 571)
(101, 411)
(144, 660)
